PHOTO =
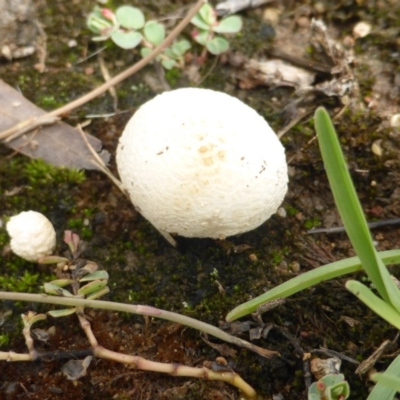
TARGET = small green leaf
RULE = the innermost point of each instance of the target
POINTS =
(232, 24)
(208, 14)
(62, 313)
(180, 48)
(331, 386)
(97, 23)
(52, 260)
(61, 282)
(154, 32)
(339, 391)
(56, 290)
(99, 293)
(126, 40)
(92, 287)
(95, 275)
(200, 23)
(217, 46)
(169, 53)
(168, 64)
(202, 37)
(144, 52)
(130, 17)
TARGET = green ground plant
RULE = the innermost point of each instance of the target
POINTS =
(209, 29)
(38, 172)
(25, 283)
(127, 28)
(330, 387)
(80, 283)
(387, 304)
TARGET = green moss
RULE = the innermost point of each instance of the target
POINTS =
(35, 185)
(49, 102)
(75, 224)
(4, 340)
(78, 225)
(291, 211)
(3, 237)
(312, 223)
(28, 282)
(38, 172)
(172, 76)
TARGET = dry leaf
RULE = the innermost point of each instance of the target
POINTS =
(58, 144)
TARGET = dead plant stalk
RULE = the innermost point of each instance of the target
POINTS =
(139, 310)
(230, 377)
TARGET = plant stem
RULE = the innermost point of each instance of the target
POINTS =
(140, 310)
(10, 356)
(28, 124)
(173, 369)
(230, 377)
(141, 363)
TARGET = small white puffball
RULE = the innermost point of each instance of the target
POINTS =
(32, 235)
(201, 163)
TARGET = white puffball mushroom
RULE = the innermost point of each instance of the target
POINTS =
(32, 235)
(201, 163)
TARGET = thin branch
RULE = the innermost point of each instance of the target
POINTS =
(371, 225)
(230, 377)
(38, 121)
(166, 368)
(140, 310)
(96, 160)
(205, 373)
(11, 356)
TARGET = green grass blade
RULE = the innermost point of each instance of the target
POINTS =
(390, 382)
(309, 279)
(385, 310)
(381, 391)
(350, 209)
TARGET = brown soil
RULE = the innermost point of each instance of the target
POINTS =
(145, 269)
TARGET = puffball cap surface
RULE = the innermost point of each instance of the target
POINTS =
(201, 163)
(32, 235)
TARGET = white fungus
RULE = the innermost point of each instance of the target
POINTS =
(32, 235)
(200, 163)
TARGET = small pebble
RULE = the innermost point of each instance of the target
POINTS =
(271, 15)
(295, 266)
(253, 257)
(303, 22)
(361, 29)
(281, 212)
(395, 121)
(376, 148)
(319, 8)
